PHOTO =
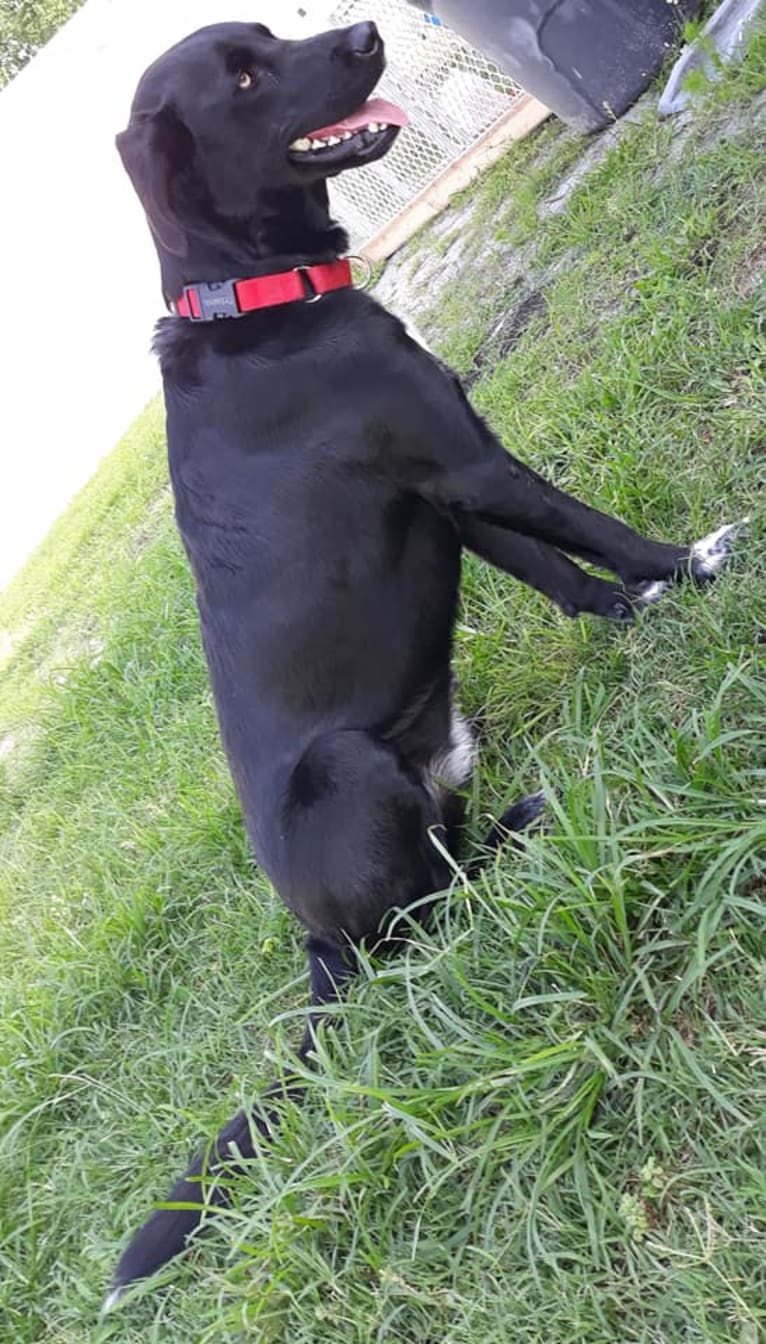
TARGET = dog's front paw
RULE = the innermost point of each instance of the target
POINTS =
(625, 603)
(703, 561)
(709, 555)
(646, 594)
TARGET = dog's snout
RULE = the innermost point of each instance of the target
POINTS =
(363, 39)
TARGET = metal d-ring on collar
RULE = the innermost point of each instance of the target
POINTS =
(367, 264)
(311, 294)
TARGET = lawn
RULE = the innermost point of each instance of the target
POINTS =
(544, 1124)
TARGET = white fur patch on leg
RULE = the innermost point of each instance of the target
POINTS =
(710, 553)
(649, 592)
(455, 763)
(707, 558)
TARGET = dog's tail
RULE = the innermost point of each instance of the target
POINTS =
(204, 1187)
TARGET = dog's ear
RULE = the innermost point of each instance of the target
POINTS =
(154, 148)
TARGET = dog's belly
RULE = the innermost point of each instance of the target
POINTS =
(327, 598)
(285, 673)
(326, 618)
(362, 659)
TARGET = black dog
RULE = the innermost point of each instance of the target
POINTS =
(327, 472)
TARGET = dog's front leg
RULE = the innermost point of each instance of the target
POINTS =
(472, 476)
(498, 489)
(544, 568)
(450, 456)
(501, 490)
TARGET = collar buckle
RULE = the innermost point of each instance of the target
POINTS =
(208, 302)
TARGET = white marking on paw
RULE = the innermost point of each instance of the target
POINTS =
(111, 1300)
(650, 592)
(710, 553)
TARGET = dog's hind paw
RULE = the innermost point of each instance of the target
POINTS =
(523, 813)
(710, 553)
(111, 1300)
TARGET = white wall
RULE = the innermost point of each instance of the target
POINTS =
(79, 283)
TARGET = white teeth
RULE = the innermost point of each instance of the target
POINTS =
(305, 142)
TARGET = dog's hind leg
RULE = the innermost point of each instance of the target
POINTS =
(353, 843)
(358, 847)
(204, 1186)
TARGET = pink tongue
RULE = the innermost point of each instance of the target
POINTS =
(375, 109)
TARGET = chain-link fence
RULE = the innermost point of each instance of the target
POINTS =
(452, 93)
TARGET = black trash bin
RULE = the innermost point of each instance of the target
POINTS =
(587, 60)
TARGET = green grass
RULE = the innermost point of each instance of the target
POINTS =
(545, 1122)
(25, 27)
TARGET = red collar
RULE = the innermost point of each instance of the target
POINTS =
(233, 298)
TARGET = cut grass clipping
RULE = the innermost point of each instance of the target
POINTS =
(545, 1121)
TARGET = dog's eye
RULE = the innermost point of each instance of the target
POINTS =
(244, 80)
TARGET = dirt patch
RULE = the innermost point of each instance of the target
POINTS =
(155, 516)
(506, 335)
(752, 272)
(72, 649)
(17, 750)
(10, 641)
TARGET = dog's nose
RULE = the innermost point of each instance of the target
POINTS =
(363, 39)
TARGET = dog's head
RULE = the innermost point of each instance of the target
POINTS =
(233, 112)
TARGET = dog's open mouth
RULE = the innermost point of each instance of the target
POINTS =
(362, 135)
